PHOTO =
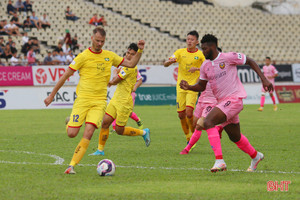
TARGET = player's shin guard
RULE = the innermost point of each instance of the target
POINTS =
(262, 101)
(185, 128)
(215, 142)
(129, 131)
(80, 151)
(190, 123)
(245, 146)
(134, 117)
(104, 133)
(194, 139)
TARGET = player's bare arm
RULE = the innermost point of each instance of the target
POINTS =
(135, 59)
(169, 62)
(137, 85)
(116, 79)
(266, 83)
(198, 87)
(58, 85)
(194, 69)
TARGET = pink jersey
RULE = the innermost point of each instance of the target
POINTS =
(207, 96)
(270, 71)
(222, 75)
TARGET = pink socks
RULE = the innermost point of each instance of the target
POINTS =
(273, 99)
(245, 146)
(214, 140)
(262, 101)
(134, 117)
(195, 137)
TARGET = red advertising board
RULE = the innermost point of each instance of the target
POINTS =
(16, 76)
(288, 93)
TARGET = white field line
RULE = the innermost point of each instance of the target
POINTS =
(60, 161)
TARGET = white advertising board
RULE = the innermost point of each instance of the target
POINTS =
(254, 93)
(158, 74)
(296, 72)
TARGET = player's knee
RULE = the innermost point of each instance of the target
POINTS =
(105, 125)
(181, 115)
(207, 124)
(119, 130)
(189, 114)
(72, 134)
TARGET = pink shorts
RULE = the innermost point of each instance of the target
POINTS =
(231, 107)
(133, 98)
(202, 109)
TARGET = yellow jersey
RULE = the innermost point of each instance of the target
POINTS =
(125, 87)
(94, 71)
(186, 61)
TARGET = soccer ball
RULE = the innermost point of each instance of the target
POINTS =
(106, 167)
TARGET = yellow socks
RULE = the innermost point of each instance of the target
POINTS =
(129, 131)
(185, 128)
(80, 151)
(190, 123)
(104, 133)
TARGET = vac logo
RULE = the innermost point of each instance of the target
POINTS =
(41, 76)
(2, 101)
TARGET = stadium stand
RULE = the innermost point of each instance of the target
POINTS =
(164, 24)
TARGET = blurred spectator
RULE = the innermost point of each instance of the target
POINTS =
(10, 8)
(1, 52)
(28, 6)
(10, 41)
(48, 59)
(70, 15)
(13, 48)
(31, 57)
(25, 38)
(58, 49)
(2, 64)
(75, 44)
(35, 21)
(36, 45)
(69, 57)
(2, 45)
(45, 21)
(2, 30)
(26, 47)
(12, 29)
(16, 20)
(67, 38)
(19, 6)
(27, 24)
(94, 20)
(24, 61)
(7, 52)
(14, 61)
(66, 48)
(62, 58)
(102, 21)
(55, 58)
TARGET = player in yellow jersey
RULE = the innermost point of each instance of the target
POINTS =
(189, 60)
(121, 105)
(94, 65)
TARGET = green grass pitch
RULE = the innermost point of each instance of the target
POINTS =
(29, 137)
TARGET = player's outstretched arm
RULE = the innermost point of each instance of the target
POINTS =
(266, 83)
(169, 62)
(116, 79)
(135, 59)
(58, 85)
(137, 85)
(198, 87)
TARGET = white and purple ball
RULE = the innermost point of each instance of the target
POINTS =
(106, 167)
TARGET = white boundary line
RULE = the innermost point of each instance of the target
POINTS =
(60, 161)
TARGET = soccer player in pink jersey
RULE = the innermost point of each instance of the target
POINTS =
(271, 73)
(133, 115)
(221, 72)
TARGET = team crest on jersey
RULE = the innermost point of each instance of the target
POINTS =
(106, 59)
(222, 65)
(196, 58)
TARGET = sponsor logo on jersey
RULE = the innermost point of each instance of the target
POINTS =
(106, 59)
(222, 65)
(123, 73)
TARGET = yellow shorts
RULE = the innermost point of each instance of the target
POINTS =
(186, 99)
(119, 111)
(89, 110)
